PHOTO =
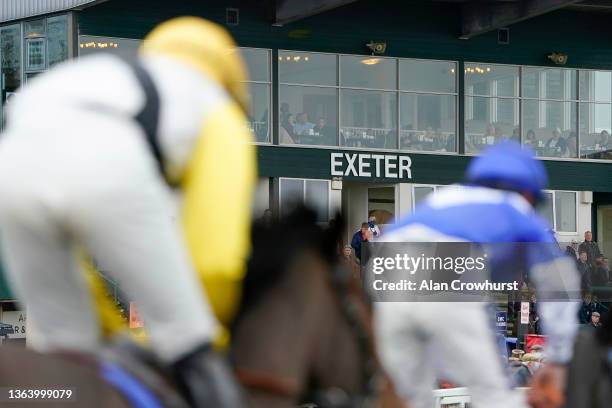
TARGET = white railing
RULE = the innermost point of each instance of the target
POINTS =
(452, 397)
(458, 397)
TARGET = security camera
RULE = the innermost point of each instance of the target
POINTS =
(377, 47)
(558, 58)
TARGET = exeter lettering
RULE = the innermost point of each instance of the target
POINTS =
(370, 165)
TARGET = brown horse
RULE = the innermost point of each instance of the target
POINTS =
(304, 333)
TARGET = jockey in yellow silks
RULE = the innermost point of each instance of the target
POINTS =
(84, 164)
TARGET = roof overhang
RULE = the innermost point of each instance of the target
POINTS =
(11, 10)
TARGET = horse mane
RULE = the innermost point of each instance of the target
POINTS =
(274, 245)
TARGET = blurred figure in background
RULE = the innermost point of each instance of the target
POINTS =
(84, 165)
(504, 183)
(373, 226)
(364, 234)
(588, 307)
(572, 249)
(585, 271)
(590, 247)
(595, 324)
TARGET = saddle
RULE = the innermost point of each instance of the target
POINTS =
(125, 360)
(132, 371)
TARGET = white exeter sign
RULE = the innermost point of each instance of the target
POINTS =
(370, 165)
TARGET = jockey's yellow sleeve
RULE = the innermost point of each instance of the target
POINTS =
(217, 191)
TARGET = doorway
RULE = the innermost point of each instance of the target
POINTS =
(604, 228)
(361, 200)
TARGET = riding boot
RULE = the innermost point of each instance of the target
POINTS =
(207, 380)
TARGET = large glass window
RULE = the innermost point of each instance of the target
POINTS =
(595, 114)
(57, 39)
(559, 209)
(491, 80)
(550, 111)
(491, 105)
(10, 51)
(549, 83)
(260, 87)
(427, 120)
(46, 44)
(427, 76)
(368, 118)
(308, 113)
(565, 211)
(307, 68)
(550, 127)
(375, 109)
(313, 193)
(368, 72)
(546, 208)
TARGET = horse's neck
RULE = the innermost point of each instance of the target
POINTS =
(282, 333)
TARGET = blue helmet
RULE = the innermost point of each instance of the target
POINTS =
(510, 166)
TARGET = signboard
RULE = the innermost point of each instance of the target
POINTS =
(501, 322)
(135, 319)
(390, 166)
(17, 319)
(524, 312)
(534, 339)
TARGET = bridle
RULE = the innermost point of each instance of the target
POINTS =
(352, 301)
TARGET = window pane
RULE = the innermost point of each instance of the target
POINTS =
(34, 28)
(368, 72)
(369, 119)
(381, 204)
(595, 130)
(291, 194)
(546, 208)
(427, 122)
(565, 209)
(307, 115)
(427, 76)
(123, 46)
(257, 62)
(317, 197)
(306, 68)
(596, 86)
(420, 193)
(57, 39)
(491, 80)
(259, 114)
(35, 54)
(549, 83)
(489, 120)
(10, 50)
(550, 127)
